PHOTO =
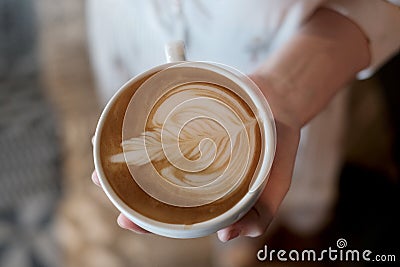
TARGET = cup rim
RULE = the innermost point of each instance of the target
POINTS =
(180, 230)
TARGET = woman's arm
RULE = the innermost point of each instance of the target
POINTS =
(299, 80)
(303, 75)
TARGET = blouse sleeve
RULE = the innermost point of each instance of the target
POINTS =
(380, 21)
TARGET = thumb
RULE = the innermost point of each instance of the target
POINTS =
(253, 224)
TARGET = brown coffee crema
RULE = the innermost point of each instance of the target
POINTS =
(119, 176)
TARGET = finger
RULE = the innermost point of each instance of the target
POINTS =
(125, 223)
(256, 221)
(282, 168)
(92, 140)
(95, 178)
(253, 224)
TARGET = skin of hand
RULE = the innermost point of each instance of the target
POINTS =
(298, 81)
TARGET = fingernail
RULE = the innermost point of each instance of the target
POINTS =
(229, 236)
(119, 221)
(134, 231)
(233, 234)
(95, 179)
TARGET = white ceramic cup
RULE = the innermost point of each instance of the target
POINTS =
(175, 55)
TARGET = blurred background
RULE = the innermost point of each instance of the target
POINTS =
(52, 215)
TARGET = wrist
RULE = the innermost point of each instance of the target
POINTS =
(302, 76)
(276, 91)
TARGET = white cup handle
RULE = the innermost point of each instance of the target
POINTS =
(175, 51)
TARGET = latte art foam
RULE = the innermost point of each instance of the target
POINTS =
(197, 145)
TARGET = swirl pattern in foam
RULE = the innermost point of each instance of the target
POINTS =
(188, 143)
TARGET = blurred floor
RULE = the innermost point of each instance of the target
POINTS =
(29, 146)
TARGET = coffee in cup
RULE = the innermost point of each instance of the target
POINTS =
(185, 148)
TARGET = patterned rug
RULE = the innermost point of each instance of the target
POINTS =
(29, 148)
